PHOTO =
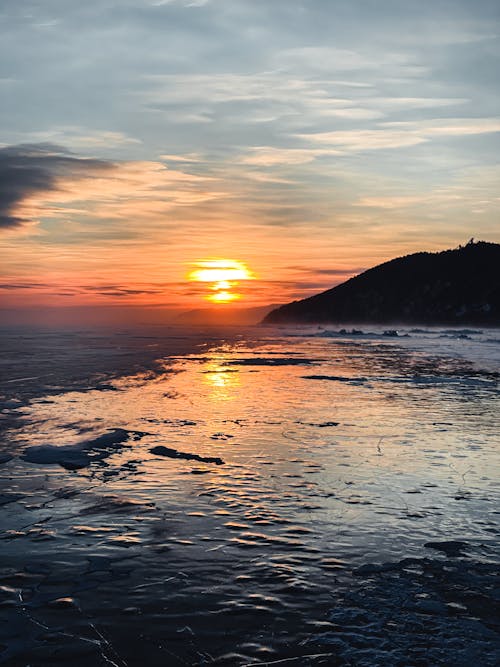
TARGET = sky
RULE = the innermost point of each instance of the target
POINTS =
(306, 140)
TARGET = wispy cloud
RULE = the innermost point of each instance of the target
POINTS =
(394, 202)
(191, 157)
(328, 59)
(80, 138)
(269, 156)
(401, 134)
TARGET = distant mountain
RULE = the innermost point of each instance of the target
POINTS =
(460, 286)
(224, 315)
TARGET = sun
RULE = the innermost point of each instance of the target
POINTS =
(223, 297)
(223, 275)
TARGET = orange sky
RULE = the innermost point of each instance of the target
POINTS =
(130, 234)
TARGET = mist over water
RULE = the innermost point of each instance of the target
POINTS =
(251, 495)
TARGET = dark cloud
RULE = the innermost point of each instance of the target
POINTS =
(328, 272)
(102, 290)
(14, 286)
(114, 290)
(28, 169)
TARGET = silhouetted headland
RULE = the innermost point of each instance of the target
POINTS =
(459, 286)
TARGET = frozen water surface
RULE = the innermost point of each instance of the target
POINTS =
(312, 496)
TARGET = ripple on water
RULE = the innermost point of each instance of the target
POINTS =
(209, 532)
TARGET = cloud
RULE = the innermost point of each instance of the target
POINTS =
(329, 59)
(30, 169)
(327, 272)
(22, 285)
(80, 138)
(417, 102)
(191, 157)
(269, 156)
(401, 134)
(46, 181)
(449, 126)
(121, 291)
(390, 202)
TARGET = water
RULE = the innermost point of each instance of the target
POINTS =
(310, 493)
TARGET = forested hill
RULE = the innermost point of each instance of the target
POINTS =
(460, 286)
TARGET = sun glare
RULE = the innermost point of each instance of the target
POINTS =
(223, 275)
(223, 297)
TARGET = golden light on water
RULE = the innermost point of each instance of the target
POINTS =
(221, 380)
(223, 275)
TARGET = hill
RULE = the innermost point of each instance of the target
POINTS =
(224, 315)
(460, 286)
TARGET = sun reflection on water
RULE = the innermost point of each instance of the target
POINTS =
(220, 378)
